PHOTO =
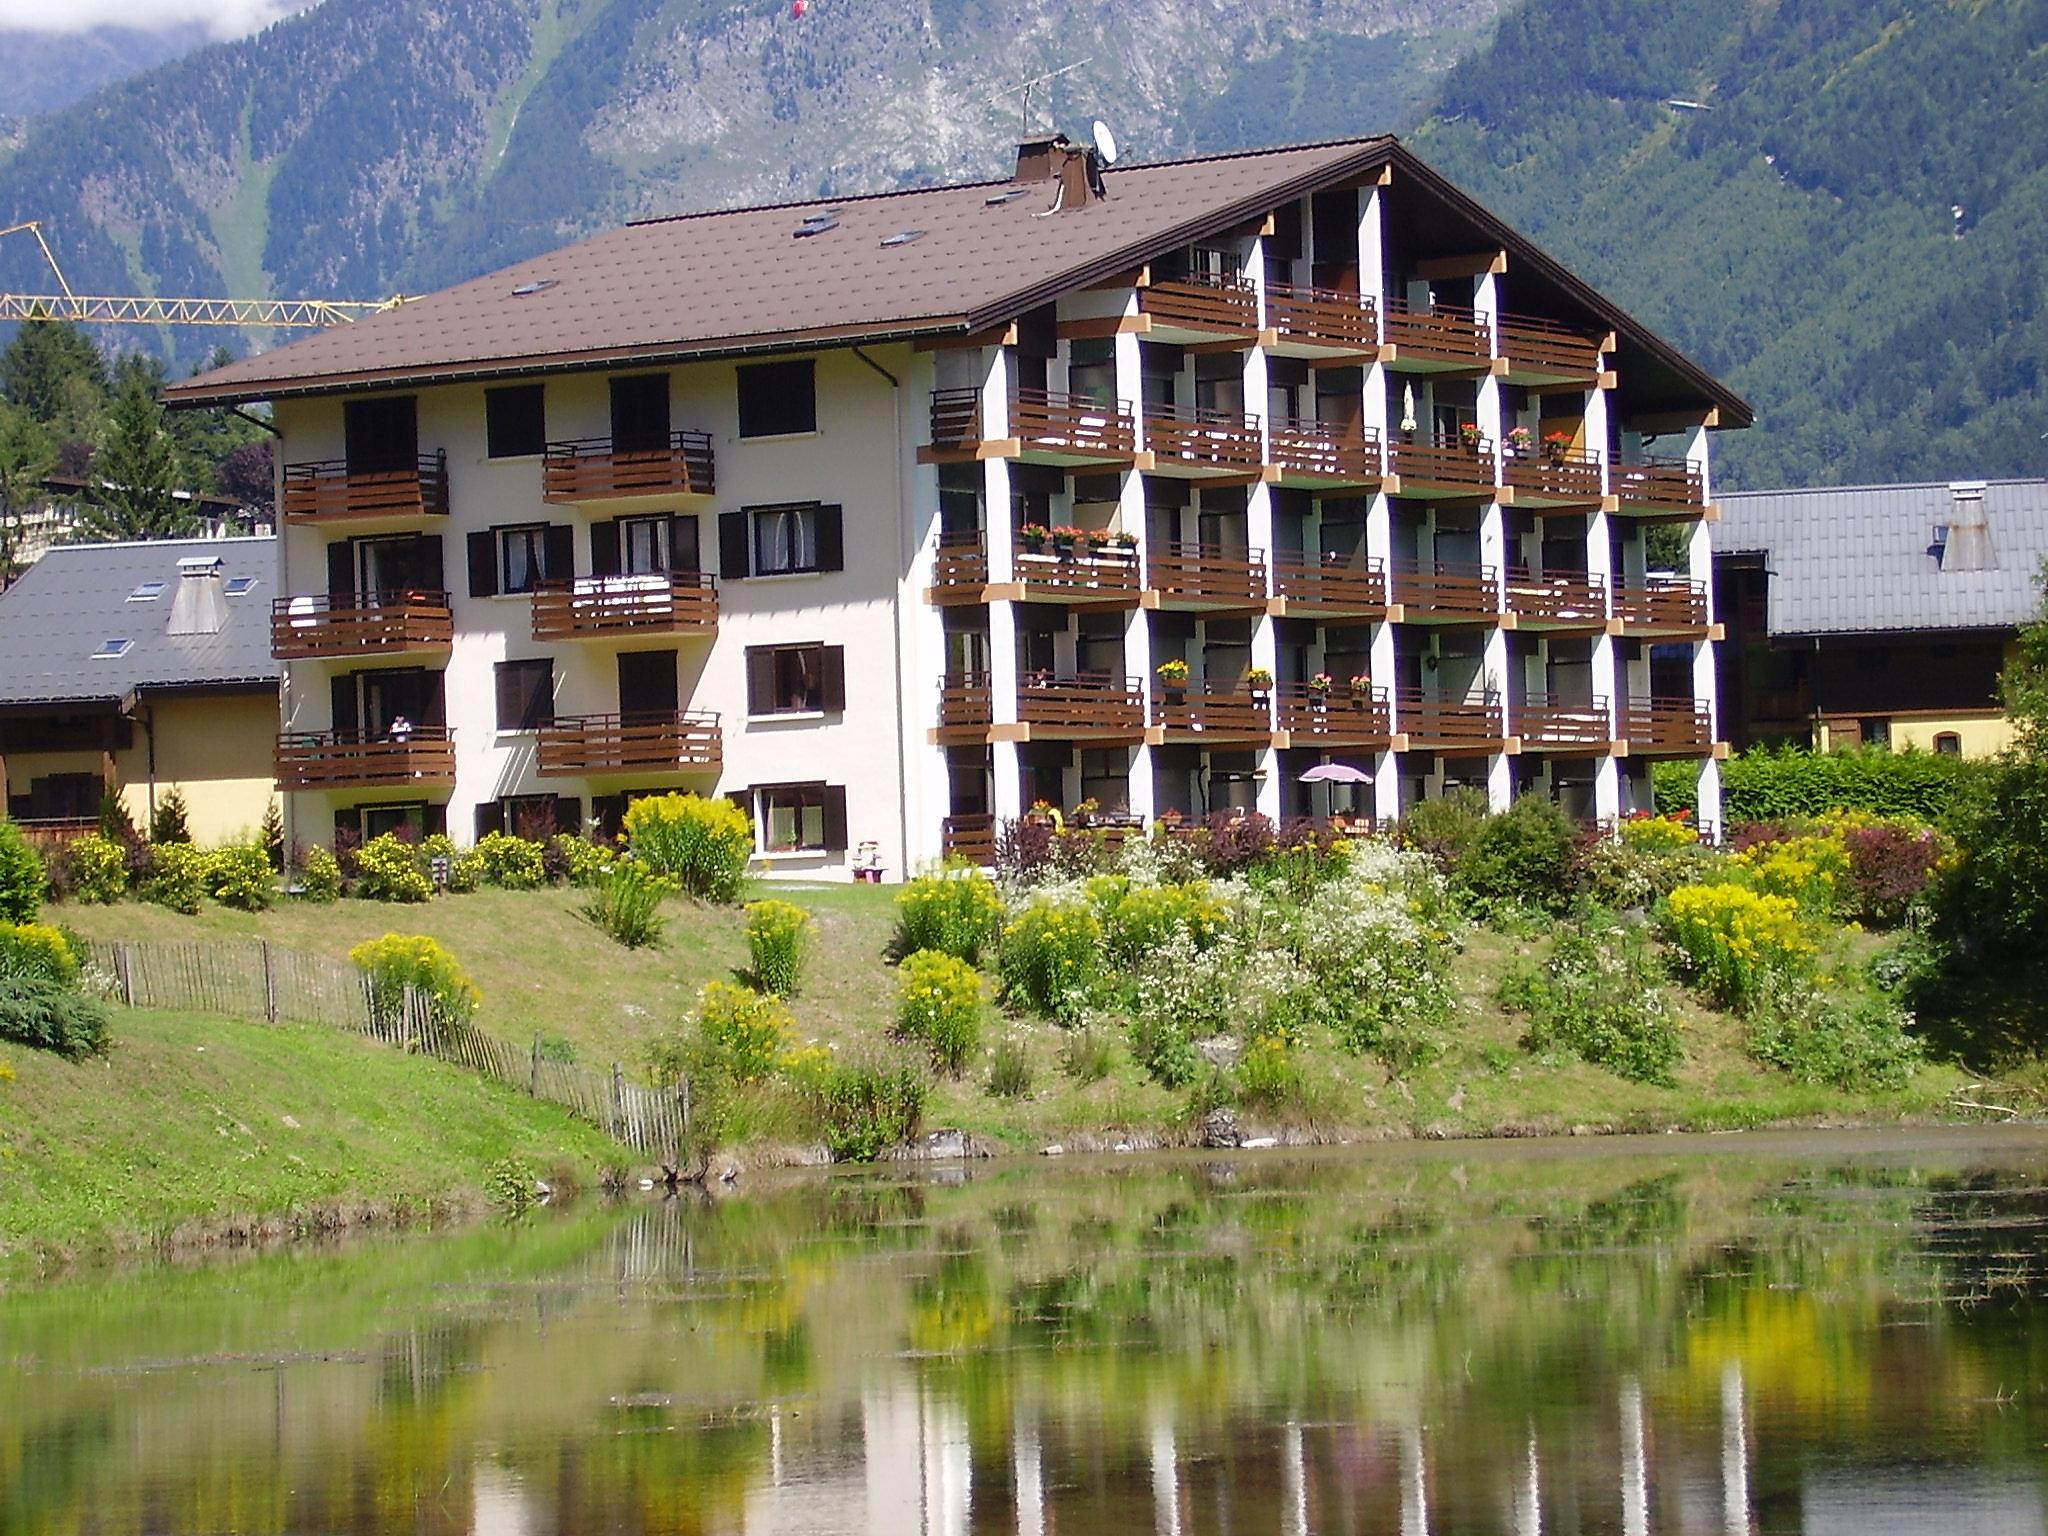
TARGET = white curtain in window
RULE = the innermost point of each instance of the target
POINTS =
(787, 539)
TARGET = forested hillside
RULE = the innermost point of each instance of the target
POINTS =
(1795, 230)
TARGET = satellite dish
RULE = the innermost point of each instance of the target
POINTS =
(1105, 141)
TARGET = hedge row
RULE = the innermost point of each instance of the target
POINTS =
(1779, 784)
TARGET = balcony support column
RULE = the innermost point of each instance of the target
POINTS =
(1138, 664)
(1002, 663)
(998, 538)
(1007, 798)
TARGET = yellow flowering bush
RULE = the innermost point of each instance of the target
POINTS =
(1050, 954)
(957, 912)
(741, 1034)
(778, 932)
(703, 844)
(1138, 919)
(38, 950)
(1734, 940)
(398, 961)
(939, 1005)
(1658, 834)
(1803, 869)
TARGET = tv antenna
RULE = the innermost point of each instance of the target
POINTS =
(1024, 90)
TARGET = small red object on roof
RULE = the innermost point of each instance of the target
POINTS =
(798, 7)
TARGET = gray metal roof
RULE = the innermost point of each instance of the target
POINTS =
(76, 597)
(1847, 560)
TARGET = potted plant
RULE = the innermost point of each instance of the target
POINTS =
(1319, 688)
(1087, 811)
(1127, 542)
(1064, 538)
(1361, 690)
(1520, 441)
(1033, 536)
(1173, 677)
(1468, 436)
(1556, 445)
(1041, 812)
(1259, 680)
(1098, 540)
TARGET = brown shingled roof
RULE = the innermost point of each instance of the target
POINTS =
(742, 281)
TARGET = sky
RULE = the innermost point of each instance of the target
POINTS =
(221, 18)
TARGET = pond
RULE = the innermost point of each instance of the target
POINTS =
(1810, 1333)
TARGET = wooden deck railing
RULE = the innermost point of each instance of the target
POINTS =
(325, 490)
(594, 469)
(1079, 572)
(1073, 426)
(970, 837)
(599, 607)
(962, 560)
(1549, 719)
(1087, 704)
(1227, 303)
(349, 760)
(1432, 721)
(1339, 717)
(1666, 602)
(1238, 712)
(1197, 437)
(1666, 724)
(1558, 597)
(1348, 455)
(1552, 474)
(362, 624)
(1440, 333)
(1547, 347)
(1323, 315)
(651, 741)
(1451, 588)
(1346, 585)
(966, 700)
(1660, 482)
(1445, 459)
(956, 418)
(1206, 573)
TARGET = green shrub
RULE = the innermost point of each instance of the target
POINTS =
(1087, 1054)
(22, 876)
(1787, 783)
(1009, 1069)
(96, 869)
(869, 1108)
(270, 835)
(511, 1186)
(399, 961)
(1377, 948)
(1446, 826)
(939, 1004)
(1598, 996)
(626, 904)
(1856, 1044)
(38, 951)
(1180, 994)
(239, 875)
(178, 877)
(464, 867)
(51, 1017)
(510, 863)
(167, 823)
(742, 1036)
(957, 912)
(1733, 941)
(1619, 873)
(703, 844)
(1049, 956)
(319, 876)
(1524, 855)
(1268, 1076)
(778, 933)
(1163, 1044)
(581, 861)
(388, 869)
(1138, 919)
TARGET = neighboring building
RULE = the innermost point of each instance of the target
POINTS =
(141, 667)
(53, 518)
(1876, 613)
(747, 502)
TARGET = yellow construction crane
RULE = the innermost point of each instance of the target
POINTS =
(136, 309)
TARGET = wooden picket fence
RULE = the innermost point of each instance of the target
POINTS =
(258, 980)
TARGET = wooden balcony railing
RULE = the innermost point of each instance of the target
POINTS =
(1660, 483)
(1544, 346)
(1543, 473)
(50, 834)
(325, 491)
(971, 837)
(1339, 717)
(1238, 712)
(649, 742)
(364, 624)
(1348, 320)
(1665, 602)
(1444, 460)
(594, 469)
(1442, 333)
(1319, 450)
(1223, 304)
(1550, 720)
(962, 560)
(1666, 725)
(956, 418)
(1087, 704)
(599, 607)
(1206, 573)
(1078, 573)
(1432, 721)
(1335, 584)
(350, 760)
(1195, 437)
(1448, 589)
(1558, 597)
(1072, 426)
(966, 700)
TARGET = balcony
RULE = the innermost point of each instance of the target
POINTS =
(1660, 487)
(1666, 605)
(1085, 706)
(594, 469)
(1439, 339)
(1320, 322)
(1338, 587)
(1318, 455)
(366, 624)
(1340, 718)
(1448, 592)
(1443, 464)
(327, 492)
(649, 742)
(960, 568)
(1188, 714)
(349, 760)
(1197, 443)
(1667, 727)
(625, 607)
(966, 709)
(956, 424)
(1550, 722)
(1551, 477)
(1045, 573)
(1193, 310)
(1544, 352)
(1052, 428)
(1206, 576)
(1557, 599)
(1436, 724)
(972, 838)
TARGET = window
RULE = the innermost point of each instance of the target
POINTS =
(109, 649)
(1876, 731)
(146, 592)
(520, 558)
(794, 539)
(241, 586)
(795, 679)
(515, 421)
(380, 436)
(785, 540)
(801, 818)
(407, 821)
(1948, 744)
(640, 419)
(526, 695)
(778, 399)
(644, 545)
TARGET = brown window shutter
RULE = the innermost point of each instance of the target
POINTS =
(835, 818)
(490, 817)
(558, 552)
(760, 680)
(341, 693)
(341, 569)
(433, 569)
(434, 820)
(831, 540)
(732, 546)
(604, 548)
(483, 564)
(832, 678)
(744, 799)
(683, 554)
(436, 711)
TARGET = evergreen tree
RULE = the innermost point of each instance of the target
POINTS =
(137, 474)
(27, 453)
(42, 360)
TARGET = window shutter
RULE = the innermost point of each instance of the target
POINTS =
(348, 821)
(558, 554)
(609, 812)
(760, 680)
(434, 713)
(569, 815)
(831, 541)
(732, 545)
(341, 569)
(490, 817)
(604, 548)
(342, 692)
(682, 543)
(483, 564)
(744, 799)
(835, 818)
(832, 676)
(433, 571)
(435, 820)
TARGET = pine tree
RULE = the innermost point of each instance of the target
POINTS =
(26, 454)
(41, 360)
(137, 474)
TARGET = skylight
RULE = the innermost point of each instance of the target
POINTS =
(146, 592)
(109, 649)
(1009, 196)
(817, 223)
(241, 586)
(538, 285)
(903, 237)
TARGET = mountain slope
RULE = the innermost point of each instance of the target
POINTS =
(47, 70)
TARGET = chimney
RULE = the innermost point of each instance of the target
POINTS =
(200, 606)
(1074, 171)
(1968, 547)
(1036, 158)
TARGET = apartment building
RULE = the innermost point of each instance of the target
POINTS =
(884, 515)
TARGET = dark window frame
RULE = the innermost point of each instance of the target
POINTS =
(539, 707)
(758, 563)
(773, 403)
(827, 799)
(515, 421)
(500, 536)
